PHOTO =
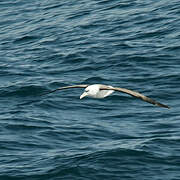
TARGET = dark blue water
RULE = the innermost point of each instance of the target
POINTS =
(48, 44)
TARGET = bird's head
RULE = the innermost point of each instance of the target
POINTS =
(91, 91)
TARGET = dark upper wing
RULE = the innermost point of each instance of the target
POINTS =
(67, 87)
(135, 94)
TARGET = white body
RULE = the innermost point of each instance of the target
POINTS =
(95, 92)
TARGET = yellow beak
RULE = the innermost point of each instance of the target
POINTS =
(83, 95)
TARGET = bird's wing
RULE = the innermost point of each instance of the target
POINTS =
(68, 87)
(135, 94)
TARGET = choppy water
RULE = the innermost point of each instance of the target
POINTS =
(47, 44)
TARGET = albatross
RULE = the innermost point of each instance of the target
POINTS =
(102, 91)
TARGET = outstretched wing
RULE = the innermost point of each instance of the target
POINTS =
(136, 94)
(68, 87)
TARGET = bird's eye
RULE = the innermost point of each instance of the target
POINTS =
(86, 90)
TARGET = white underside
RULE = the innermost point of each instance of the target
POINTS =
(103, 94)
(94, 92)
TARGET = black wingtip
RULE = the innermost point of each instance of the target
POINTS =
(49, 92)
(162, 105)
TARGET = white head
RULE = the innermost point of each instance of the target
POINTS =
(91, 91)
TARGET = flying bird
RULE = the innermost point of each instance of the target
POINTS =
(102, 91)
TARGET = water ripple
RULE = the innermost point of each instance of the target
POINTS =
(49, 44)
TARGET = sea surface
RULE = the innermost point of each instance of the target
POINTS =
(48, 44)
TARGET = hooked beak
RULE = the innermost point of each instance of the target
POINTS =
(83, 95)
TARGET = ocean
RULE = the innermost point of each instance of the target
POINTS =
(49, 44)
